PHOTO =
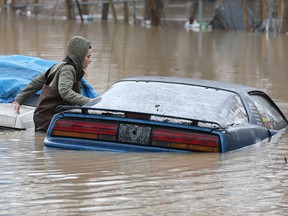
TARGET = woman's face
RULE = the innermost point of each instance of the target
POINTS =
(87, 59)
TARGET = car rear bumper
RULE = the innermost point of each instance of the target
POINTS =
(77, 144)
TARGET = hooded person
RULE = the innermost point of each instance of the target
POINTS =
(60, 84)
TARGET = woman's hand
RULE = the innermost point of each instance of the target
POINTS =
(16, 106)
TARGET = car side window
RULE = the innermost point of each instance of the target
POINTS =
(233, 111)
(270, 117)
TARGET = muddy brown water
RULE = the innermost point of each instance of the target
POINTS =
(36, 180)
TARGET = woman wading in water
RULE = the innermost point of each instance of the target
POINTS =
(60, 84)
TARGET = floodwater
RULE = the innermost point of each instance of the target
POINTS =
(36, 180)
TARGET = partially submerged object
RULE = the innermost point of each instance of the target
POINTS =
(168, 114)
(198, 26)
(10, 119)
(230, 15)
(16, 71)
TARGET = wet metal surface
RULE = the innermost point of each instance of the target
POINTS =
(251, 181)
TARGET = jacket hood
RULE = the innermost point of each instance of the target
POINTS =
(77, 49)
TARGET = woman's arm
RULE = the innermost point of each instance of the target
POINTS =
(35, 85)
(67, 78)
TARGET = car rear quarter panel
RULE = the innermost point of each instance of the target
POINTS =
(241, 136)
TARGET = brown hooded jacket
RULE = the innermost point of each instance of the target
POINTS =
(60, 84)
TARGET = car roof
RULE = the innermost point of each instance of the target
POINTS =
(191, 81)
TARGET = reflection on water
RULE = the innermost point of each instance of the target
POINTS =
(50, 181)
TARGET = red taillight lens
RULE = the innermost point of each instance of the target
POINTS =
(83, 129)
(185, 140)
(160, 137)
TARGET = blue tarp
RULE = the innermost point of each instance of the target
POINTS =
(16, 71)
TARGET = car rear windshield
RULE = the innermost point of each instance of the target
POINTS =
(177, 100)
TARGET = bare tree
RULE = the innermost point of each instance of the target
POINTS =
(284, 27)
(154, 11)
(113, 11)
(36, 9)
(245, 13)
(126, 11)
(85, 7)
(193, 10)
(258, 13)
(69, 10)
(105, 11)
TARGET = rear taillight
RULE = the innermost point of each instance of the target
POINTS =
(85, 129)
(185, 140)
(136, 134)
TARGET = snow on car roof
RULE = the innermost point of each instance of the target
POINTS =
(191, 81)
(172, 98)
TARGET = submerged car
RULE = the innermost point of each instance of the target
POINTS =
(168, 114)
